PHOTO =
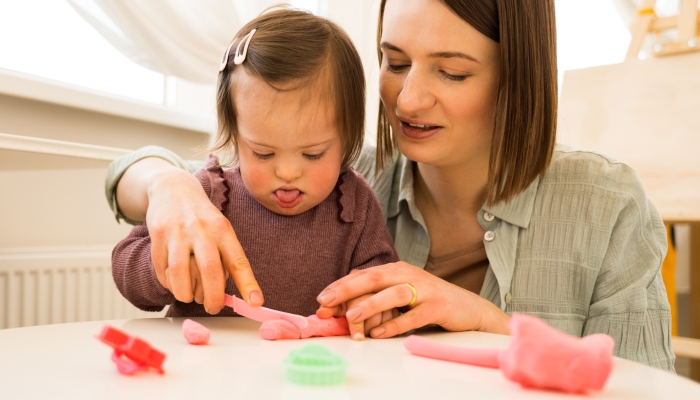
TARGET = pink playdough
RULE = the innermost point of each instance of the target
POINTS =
(539, 356)
(195, 333)
(280, 329)
(262, 314)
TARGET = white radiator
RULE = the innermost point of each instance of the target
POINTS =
(55, 285)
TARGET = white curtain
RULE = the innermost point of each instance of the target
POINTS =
(184, 38)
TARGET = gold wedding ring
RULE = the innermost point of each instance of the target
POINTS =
(415, 295)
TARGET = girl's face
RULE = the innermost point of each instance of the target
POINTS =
(438, 83)
(289, 149)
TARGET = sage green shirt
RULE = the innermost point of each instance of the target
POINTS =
(580, 248)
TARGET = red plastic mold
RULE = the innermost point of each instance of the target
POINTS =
(131, 354)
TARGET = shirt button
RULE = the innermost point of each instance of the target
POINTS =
(488, 217)
(489, 236)
(509, 297)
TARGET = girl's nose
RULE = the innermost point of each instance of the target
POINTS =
(288, 171)
(415, 95)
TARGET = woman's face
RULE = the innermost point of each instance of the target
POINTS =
(438, 83)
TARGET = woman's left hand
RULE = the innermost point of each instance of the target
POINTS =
(438, 301)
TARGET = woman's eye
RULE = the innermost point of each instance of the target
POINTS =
(263, 156)
(396, 68)
(314, 157)
(456, 78)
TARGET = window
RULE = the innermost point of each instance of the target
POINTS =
(589, 33)
(593, 32)
(47, 38)
(317, 7)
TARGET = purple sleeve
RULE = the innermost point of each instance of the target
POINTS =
(134, 275)
(374, 246)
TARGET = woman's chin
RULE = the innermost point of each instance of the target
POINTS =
(424, 152)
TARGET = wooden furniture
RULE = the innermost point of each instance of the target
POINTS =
(686, 22)
(645, 114)
(686, 347)
(67, 361)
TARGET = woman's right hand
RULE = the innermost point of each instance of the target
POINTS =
(183, 222)
(437, 302)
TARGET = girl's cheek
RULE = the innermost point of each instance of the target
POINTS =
(325, 176)
(254, 176)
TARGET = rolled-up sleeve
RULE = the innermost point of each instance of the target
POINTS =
(120, 165)
(629, 299)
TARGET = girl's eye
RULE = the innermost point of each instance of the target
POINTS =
(456, 78)
(263, 156)
(396, 68)
(314, 157)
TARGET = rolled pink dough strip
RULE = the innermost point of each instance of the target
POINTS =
(538, 356)
(280, 329)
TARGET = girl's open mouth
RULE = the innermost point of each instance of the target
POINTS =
(287, 198)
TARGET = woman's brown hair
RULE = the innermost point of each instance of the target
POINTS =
(297, 47)
(526, 107)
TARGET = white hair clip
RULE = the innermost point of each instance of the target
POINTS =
(238, 56)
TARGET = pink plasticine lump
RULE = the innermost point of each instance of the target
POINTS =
(195, 333)
(280, 329)
(540, 356)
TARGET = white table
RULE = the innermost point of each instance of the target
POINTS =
(67, 361)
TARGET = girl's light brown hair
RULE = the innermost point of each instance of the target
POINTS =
(291, 46)
(526, 107)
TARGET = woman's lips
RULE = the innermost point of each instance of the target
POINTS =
(287, 198)
(418, 133)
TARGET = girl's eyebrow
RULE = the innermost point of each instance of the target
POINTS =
(256, 143)
(317, 144)
(440, 54)
(301, 147)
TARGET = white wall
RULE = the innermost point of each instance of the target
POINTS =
(48, 200)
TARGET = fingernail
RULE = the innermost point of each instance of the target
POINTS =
(358, 336)
(379, 331)
(255, 297)
(353, 314)
(214, 310)
(325, 298)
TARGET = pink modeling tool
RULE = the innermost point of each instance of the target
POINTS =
(539, 356)
(262, 314)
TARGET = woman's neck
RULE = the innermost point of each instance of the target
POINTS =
(456, 189)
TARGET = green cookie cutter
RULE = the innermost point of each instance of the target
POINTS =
(315, 365)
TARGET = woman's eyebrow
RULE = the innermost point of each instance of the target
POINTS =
(441, 54)
(450, 54)
(389, 46)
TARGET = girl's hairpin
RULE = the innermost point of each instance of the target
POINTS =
(238, 56)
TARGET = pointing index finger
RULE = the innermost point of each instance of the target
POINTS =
(238, 266)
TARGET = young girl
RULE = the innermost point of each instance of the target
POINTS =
(290, 104)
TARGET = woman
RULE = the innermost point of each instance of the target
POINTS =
(487, 216)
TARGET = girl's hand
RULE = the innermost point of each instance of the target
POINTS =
(358, 330)
(438, 302)
(184, 224)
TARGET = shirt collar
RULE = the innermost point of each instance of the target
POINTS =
(517, 211)
(403, 186)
